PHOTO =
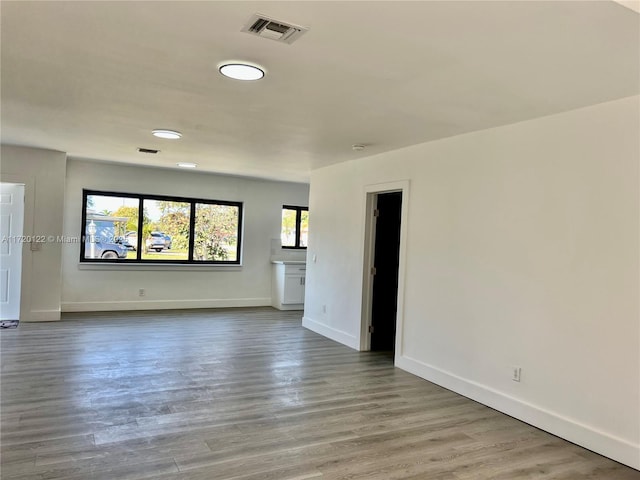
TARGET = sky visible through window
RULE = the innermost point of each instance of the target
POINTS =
(111, 204)
(148, 228)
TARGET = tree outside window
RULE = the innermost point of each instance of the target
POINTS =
(295, 227)
(171, 229)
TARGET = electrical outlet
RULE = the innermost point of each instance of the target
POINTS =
(141, 292)
(516, 373)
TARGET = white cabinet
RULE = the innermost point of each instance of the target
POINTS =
(287, 285)
(293, 289)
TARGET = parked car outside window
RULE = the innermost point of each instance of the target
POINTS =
(130, 240)
(103, 249)
(105, 244)
(155, 241)
(167, 240)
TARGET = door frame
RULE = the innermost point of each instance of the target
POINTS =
(371, 192)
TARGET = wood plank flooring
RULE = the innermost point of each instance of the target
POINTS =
(246, 394)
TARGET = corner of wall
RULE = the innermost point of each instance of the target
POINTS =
(43, 172)
(331, 333)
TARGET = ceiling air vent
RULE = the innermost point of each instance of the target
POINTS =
(148, 150)
(277, 30)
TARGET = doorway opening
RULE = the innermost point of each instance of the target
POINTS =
(381, 323)
(386, 257)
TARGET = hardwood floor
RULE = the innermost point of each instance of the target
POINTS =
(246, 394)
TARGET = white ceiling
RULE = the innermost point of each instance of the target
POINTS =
(93, 78)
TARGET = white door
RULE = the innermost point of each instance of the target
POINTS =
(11, 221)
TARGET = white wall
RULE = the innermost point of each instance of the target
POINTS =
(115, 287)
(43, 173)
(522, 249)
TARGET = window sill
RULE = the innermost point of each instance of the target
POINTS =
(157, 267)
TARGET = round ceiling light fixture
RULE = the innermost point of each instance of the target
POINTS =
(170, 134)
(187, 164)
(241, 71)
(358, 147)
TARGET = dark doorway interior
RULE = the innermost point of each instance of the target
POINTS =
(385, 281)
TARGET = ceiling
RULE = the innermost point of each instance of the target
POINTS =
(94, 78)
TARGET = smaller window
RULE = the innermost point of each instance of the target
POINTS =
(295, 227)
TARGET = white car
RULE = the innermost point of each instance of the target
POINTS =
(131, 240)
(155, 241)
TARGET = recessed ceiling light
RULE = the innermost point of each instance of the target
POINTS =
(241, 71)
(170, 134)
(187, 164)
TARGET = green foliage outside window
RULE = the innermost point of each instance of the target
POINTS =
(295, 227)
(166, 226)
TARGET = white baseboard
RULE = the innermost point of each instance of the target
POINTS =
(330, 332)
(293, 306)
(41, 316)
(603, 443)
(112, 306)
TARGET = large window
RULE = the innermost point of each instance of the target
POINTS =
(125, 227)
(295, 227)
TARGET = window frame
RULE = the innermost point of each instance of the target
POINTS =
(298, 233)
(192, 217)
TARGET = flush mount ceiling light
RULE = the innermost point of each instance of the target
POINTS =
(241, 71)
(187, 165)
(170, 134)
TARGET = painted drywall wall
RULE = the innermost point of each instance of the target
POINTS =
(43, 173)
(100, 287)
(522, 249)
